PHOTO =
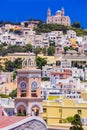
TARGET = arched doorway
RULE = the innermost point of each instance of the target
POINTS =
(21, 111)
(35, 109)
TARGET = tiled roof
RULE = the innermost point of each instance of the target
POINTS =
(9, 120)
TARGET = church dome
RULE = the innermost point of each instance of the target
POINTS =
(58, 11)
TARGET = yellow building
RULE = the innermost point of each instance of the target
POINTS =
(73, 42)
(50, 59)
(55, 112)
(13, 56)
(23, 56)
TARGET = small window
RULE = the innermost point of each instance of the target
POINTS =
(60, 110)
(33, 93)
(44, 110)
(23, 93)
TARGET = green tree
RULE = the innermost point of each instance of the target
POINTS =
(15, 48)
(1, 67)
(76, 25)
(13, 93)
(4, 96)
(18, 63)
(70, 119)
(44, 51)
(51, 50)
(76, 123)
(28, 47)
(14, 74)
(37, 50)
(9, 66)
(1, 47)
(40, 62)
(42, 27)
(66, 48)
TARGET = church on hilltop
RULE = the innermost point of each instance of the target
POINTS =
(58, 18)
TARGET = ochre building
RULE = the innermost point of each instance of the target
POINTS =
(56, 112)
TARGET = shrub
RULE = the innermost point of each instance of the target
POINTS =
(20, 114)
(4, 96)
(45, 79)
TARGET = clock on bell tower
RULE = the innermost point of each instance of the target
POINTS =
(29, 100)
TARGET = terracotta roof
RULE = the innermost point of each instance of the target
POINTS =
(64, 73)
(9, 120)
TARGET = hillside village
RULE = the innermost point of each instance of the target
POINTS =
(59, 52)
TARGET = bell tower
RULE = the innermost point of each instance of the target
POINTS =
(62, 11)
(29, 100)
(49, 13)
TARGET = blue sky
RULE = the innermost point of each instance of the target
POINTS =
(21, 10)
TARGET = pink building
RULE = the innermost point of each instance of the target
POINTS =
(62, 75)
